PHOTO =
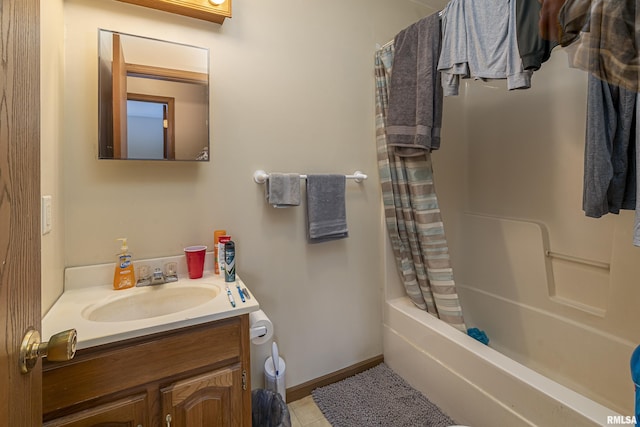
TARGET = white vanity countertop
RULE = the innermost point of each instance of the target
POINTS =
(67, 312)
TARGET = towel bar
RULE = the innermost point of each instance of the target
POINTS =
(571, 258)
(260, 176)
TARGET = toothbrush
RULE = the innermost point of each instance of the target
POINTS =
(241, 293)
(231, 300)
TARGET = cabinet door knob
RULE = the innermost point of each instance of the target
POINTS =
(168, 420)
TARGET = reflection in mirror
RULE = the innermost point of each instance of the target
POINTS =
(153, 99)
(149, 127)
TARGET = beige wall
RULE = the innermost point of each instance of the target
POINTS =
(51, 131)
(292, 91)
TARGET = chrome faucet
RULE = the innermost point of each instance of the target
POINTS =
(158, 277)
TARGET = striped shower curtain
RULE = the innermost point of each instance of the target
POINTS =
(413, 216)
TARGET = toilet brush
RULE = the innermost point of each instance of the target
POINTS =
(276, 362)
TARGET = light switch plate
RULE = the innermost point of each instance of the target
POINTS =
(46, 215)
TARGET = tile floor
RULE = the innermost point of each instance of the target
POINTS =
(305, 413)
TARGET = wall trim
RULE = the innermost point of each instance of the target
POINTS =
(303, 390)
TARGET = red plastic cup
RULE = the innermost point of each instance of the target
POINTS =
(195, 260)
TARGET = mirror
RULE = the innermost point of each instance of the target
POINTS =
(153, 99)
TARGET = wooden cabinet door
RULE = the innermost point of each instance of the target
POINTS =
(127, 412)
(213, 399)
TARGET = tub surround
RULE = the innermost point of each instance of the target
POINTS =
(450, 367)
(554, 316)
(91, 286)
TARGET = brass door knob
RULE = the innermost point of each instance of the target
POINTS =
(61, 347)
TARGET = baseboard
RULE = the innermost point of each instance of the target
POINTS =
(303, 390)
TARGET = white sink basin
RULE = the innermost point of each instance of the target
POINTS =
(149, 302)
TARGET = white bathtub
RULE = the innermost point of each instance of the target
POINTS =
(475, 384)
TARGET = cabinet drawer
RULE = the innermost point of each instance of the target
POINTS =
(116, 367)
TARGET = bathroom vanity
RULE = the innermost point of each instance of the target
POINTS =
(176, 354)
(195, 376)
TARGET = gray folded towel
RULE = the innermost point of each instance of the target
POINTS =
(414, 117)
(283, 189)
(326, 210)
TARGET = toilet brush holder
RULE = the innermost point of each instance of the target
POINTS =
(271, 380)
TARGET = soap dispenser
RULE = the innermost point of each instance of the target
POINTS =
(124, 276)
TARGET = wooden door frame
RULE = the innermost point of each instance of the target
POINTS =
(20, 259)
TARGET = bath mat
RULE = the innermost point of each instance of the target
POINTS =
(377, 397)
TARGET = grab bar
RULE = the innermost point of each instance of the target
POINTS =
(260, 176)
(571, 258)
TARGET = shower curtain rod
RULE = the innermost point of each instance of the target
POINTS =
(440, 13)
(260, 176)
(390, 42)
